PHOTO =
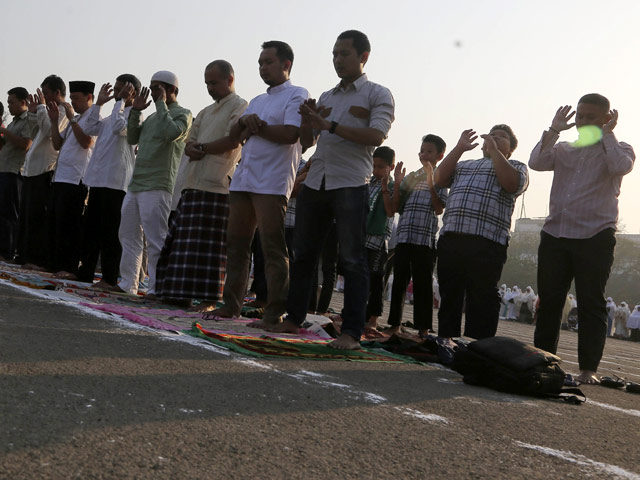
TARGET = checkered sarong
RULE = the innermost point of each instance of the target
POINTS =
(194, 256)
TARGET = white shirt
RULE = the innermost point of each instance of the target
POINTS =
(73, 158)
(113, 158)
(41, 157)
(267, 167)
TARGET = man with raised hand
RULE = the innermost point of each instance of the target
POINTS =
(145, 210)
(348, 122)
(17, 138)
(39, 166)
(472, 247)
(107, 176)
(192, 264)
(578, 237)
(68, 192)
(262, 184)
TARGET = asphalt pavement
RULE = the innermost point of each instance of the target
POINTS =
(91, 397)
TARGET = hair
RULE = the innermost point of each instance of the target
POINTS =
(439, 143)
(53, 83)
(283, 50)
(20, 93)
(132, 79)
(596, 99)
(223, 67)
(360, 40)
(385, 153)
(1, 112)
(513, 141)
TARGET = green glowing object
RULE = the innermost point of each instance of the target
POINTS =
(587, 136)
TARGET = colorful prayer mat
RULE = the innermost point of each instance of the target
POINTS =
(267, 346)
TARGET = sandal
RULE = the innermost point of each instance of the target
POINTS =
(612, 382)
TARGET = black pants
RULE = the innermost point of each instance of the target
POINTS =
(33, 244)
(588, 261)
(65, 223)
(469, 268)
(101, 224)
(415, 261)
(377, 266)
(10, 187)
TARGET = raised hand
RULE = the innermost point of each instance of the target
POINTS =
(308, 105)
(126, 92)
(428, 169)
(68, 110)
(399, 174)
(611, 124)
(561, 119)
(141, 101)
(162, 93)
(466, 140)
(53, 112)
(32, 103)
(105, 94)
(489, 143)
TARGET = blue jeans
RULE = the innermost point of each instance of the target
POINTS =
(315, 210)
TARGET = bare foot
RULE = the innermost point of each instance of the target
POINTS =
(587, 377)
(115, 289)
(34, 267)
(372, 322)
(64, 275)
(266, 323)
(392, 330)
(102, 285)
(203, 307)
(345, 342)
(283, 327)
(220, 312)
(256, 304)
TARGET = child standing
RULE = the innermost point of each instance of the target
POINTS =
(419, 203)
(379, 225)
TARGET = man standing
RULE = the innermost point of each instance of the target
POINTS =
(68, 192)
(39, 165)
(472, 247)
(145, 209)
(347, 123)
(263, 182)
(107, 176)
(578, 237)
(192, 264)
(17, 138)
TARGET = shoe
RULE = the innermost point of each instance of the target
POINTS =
(612, 382)
(633, 387)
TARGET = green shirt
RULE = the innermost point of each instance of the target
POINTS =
(161, 139)
(12, 157)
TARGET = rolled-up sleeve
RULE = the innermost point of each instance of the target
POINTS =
(543, 161)
(382, 111)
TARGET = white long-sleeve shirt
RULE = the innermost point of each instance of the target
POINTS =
(42, 157)
(113, 158)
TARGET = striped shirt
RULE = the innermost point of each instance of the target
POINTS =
(586, 185)
(418, 222)
(477, 203)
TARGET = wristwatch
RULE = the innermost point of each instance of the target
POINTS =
(73, 120)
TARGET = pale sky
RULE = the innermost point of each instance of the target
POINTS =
(450, 65)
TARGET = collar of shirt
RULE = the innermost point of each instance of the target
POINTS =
(355, 85)
(21, 116)
(278, 88)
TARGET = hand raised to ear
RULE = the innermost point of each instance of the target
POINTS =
(611, 124)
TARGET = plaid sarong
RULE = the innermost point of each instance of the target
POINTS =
(194, 256)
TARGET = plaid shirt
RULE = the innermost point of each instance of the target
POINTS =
(378, 242)
(418, 222)
(477, 204)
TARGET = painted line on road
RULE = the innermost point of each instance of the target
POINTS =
(630, 411)
(613, 470)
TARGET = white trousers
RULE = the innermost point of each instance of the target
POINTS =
(146, 212)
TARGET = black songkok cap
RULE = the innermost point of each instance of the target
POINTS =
(82, 87)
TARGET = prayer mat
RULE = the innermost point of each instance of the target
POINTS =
(271, 346)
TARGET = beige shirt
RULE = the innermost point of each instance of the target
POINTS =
(12, 157)
(42, 157)
(213, 173)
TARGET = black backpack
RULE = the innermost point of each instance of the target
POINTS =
(509, 365)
